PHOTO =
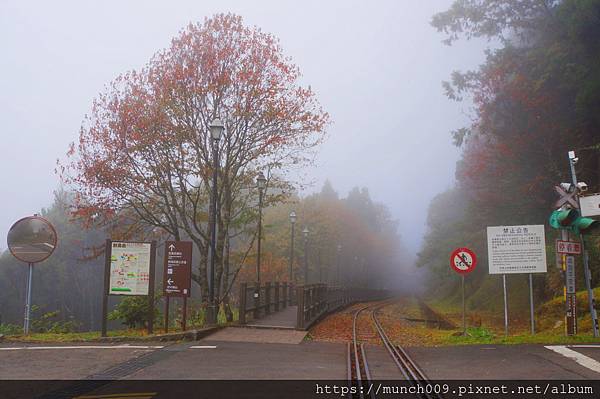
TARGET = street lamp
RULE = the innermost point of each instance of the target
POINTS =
(305, 233)
(293, 219)
(261, 183)
(337, 261)
(216, 130)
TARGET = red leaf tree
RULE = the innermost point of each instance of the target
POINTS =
(144, 152)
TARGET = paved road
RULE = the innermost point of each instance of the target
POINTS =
(210, 359)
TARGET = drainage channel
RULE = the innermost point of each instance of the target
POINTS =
(117, 372)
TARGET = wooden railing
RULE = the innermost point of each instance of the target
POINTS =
(316, 300)
(261, 301)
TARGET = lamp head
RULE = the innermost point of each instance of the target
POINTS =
(216, 129)
(261, 181)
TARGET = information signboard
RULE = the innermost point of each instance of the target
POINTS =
(590, 205)
(516, 249)
(177, 276)
(129, 268)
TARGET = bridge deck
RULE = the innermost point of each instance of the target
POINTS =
(285, 318)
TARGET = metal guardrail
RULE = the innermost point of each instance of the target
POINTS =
(265, 299)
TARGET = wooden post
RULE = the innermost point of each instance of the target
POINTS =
(242, 312)
(184, 316)
(300, 312)
(276, 296)
(166, 314)
(285, 295)
(256, 301)
(151, 288)
(107, 254)
(267, 297)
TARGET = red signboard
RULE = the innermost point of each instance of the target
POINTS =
(568, 247)
(463, 260)
(177, 275)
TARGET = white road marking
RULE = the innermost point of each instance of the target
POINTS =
(583, 346)
(84, 347)
(580, 358)
(203, 347)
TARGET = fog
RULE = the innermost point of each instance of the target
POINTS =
(376, 67)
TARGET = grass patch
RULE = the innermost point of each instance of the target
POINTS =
(491, 339)
(77, 336)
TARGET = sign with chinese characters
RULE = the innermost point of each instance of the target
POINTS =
(516, 249)
(570, 274)
(177, 276)
(590, 205)
(463, 260)
(129, 268)
(568, 247)
(571, 314)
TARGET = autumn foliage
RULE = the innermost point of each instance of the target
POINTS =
(144, 153)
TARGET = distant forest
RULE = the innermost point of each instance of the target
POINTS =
(536, 97)
(70, 281)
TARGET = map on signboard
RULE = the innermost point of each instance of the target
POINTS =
(516, 249)
(129, 268)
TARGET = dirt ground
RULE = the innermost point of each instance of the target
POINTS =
(397, 318)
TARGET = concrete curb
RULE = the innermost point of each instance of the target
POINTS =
(190, 335)
(265, 327)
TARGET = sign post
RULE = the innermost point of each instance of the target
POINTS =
(514, 250)
(31, 240)
(177, 275)
(129, 270)
(463, 261)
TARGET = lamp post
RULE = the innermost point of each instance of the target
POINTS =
(305, 233)
(337, 264)
(293, 219)
(216, 130)
(261, 183)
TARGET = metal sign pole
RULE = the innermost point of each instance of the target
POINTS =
(28, 300)
(531, 312)
(505, 306)
(464, 320)
(588, 284)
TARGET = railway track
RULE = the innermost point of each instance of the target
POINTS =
(359, 375)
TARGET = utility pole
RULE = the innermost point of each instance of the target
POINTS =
(586, 268)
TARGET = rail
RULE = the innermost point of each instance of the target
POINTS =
(316, 300)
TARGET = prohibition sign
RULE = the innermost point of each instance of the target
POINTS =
(463, 260)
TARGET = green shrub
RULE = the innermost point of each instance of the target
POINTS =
(133, 311)
(48, 322)
(10, 329)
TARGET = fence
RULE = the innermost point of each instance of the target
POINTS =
(313, 300)
(316, 300)
(263, 300)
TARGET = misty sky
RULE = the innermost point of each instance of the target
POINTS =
(376, 68)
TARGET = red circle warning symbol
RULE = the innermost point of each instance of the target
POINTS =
(463, 260)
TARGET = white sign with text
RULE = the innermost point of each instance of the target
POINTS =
(516, 249)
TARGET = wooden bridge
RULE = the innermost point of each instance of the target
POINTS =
(285, 306)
